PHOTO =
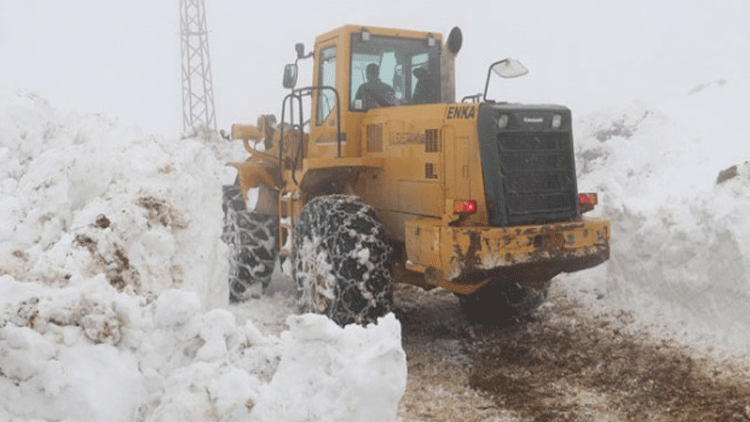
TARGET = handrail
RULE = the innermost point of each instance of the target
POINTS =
(474, 98)
(298, 94)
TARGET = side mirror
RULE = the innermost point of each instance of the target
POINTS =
(290, 76)
(509, 68)
(506, 68)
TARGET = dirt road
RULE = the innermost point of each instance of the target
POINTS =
(559, 365)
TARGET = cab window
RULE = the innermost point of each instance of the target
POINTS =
(397, 59)
(327, 77)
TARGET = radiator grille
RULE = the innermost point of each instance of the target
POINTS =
(537, 172)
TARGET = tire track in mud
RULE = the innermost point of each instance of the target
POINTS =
(434, 334)
(558, 365)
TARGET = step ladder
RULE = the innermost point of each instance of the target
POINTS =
(288, 201)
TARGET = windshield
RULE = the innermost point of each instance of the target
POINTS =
(389, 70)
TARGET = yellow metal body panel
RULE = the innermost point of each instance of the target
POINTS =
(252, 174)
(429, 159)
(464, 259)
(319, 163)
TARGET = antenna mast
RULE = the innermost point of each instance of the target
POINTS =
(197, 86)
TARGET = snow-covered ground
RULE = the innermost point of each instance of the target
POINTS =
(112, 275)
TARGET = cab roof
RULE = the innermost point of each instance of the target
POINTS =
(376, 30)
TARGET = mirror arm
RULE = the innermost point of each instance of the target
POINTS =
(487, 82)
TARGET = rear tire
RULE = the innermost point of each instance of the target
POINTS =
(253, 246)
(502, 303)
(342, 261)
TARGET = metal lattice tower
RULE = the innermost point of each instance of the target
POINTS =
(197, 87)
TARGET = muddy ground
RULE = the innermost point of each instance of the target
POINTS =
(560, 364)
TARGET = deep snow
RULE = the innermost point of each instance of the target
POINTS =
(680, 236)
(112, 275)
(113, 291)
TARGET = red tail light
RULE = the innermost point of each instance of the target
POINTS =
(586, 201)
(587, 198)
(461, 206)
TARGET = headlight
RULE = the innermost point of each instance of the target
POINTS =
(502, 121)
(556, 121)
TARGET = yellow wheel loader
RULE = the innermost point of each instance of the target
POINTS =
(376, 174)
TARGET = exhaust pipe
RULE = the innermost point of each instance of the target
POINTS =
(448, 66)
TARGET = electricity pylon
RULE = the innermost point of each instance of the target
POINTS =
(197, 87)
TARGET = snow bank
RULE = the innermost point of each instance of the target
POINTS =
(680, 239)
(113, 292)
(340, 374)
(88, 352)
(82, 194)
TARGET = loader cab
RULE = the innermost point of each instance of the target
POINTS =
(408, 63)
(410, 66)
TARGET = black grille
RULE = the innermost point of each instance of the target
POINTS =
(537, 172)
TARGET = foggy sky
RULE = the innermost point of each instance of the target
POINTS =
(122, 58)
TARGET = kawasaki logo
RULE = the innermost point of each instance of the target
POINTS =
(533, 119)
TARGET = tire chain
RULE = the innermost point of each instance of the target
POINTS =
(351, 251)
(253, 245)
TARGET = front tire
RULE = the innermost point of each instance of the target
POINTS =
(253, 245)
(342, 261)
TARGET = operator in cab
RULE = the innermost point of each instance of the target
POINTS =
(374, 92)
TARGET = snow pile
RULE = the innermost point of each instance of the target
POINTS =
(344, 375)
(113, 292)
(680, 233)
(81, 194)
